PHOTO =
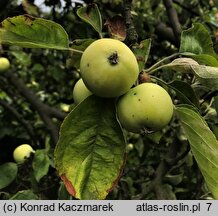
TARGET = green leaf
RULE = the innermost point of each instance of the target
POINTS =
(41, 163)
(141, 52)
(30, 32)
(214, 128)
(24, 195)
(91, 15)
(203, 145)
(207, 75)
(184, 92)
(90, 152)
(205, 59)
(197, 40)
(8, 172)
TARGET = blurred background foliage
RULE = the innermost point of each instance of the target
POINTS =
(50, 75)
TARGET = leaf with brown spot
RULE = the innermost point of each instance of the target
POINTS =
(68, 185)
(116, 27)
(30, 32)
(90, 153)
(91, 15)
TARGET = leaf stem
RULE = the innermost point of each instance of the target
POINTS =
(75, 50)
(156, 66)
(159, 80)
(100, 35)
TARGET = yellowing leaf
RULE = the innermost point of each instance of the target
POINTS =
(30, 32)
(90, 152)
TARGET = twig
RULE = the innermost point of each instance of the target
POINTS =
(32, 98)
(157, 183)
(44, 110)
(156, 65)
(131, 34)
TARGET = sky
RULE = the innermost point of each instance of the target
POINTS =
(44, 8)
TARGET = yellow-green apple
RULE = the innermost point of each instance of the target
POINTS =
(146, 107)
(4, 64)
(108, 67)
(80, 92)
(22, 152)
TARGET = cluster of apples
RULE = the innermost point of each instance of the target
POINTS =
(109, 69)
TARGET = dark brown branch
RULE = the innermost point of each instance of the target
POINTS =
(53, 112)
(28, 94)
(44, 110)
(131, 34)
(173, 18)
(157, 183)
(19, 117)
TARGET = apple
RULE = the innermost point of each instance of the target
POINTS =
(22, 152)
(145, 108)
(80, 92)
(4, 64)
(108, 67)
